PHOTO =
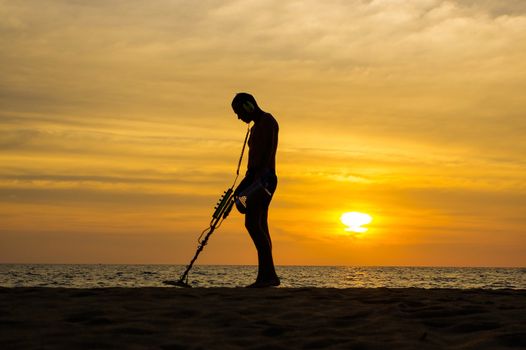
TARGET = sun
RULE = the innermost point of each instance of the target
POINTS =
(354, 220)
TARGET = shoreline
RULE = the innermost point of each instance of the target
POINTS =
(240, 318)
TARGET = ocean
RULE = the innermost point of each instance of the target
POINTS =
(101, 276)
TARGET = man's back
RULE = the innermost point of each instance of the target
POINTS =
(263, 144)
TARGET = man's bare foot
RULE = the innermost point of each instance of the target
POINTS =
(265, 284)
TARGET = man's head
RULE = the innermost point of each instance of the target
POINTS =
(245, 106)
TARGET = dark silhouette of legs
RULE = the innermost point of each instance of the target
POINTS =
(257, 226)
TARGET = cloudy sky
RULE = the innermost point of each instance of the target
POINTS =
(116, 134)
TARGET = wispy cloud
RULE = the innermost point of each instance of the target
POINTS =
(410, 107)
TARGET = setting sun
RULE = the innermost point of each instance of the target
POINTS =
(354, 220)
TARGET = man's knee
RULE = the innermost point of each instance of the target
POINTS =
(251, 223)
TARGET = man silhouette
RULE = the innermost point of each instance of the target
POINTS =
(254, 193)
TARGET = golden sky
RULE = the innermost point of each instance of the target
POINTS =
(117, 138)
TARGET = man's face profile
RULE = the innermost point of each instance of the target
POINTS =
(241, 114)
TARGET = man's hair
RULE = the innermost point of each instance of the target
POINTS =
(244, 101)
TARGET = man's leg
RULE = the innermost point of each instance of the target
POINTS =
(257, 226)
(264, 225)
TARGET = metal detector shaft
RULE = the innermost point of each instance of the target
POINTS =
(183, 281)
(223, 208)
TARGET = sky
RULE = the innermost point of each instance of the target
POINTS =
(117, 136)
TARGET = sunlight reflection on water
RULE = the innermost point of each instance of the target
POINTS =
(90, 276)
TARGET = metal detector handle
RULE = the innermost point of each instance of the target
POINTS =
(228, 207)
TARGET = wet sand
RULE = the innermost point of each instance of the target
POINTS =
(280, 318)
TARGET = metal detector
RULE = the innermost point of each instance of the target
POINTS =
(222, 209)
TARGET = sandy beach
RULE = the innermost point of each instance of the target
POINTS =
(281, 318)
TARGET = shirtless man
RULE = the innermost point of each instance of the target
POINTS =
(259, 183)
